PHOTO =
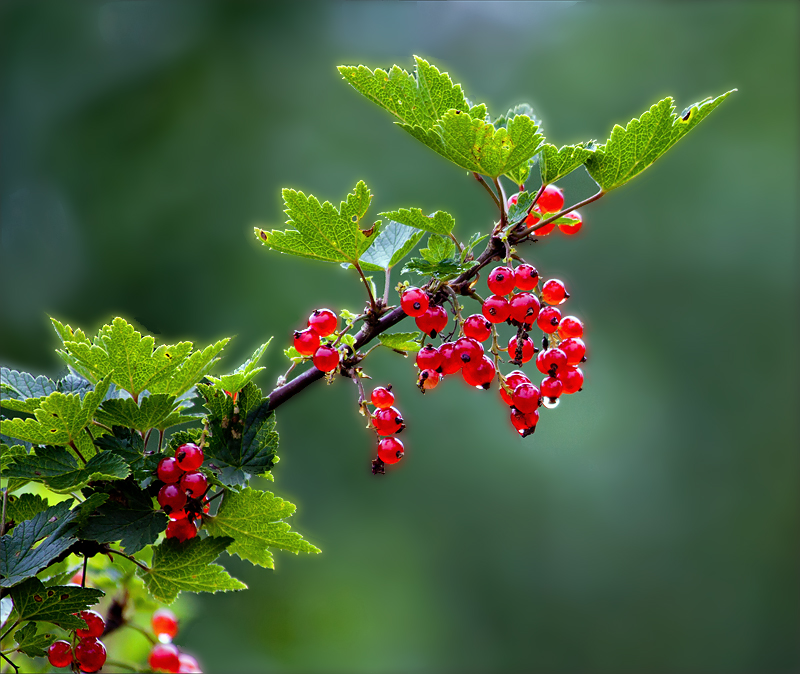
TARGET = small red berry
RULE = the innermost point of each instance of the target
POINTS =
(433, 321)
(526, 277)
(95, 625)
(468, 350)
(479, 374)
(387, 422)
(188, 665)
(548, 319)
(551, 361)
(501, 280)
(306, 341)
(77, 579)
(575, 226)
(59, 653)
(414, 301)
(512, 200)
(164, 622)
(169, 471)
(323, 322)
(428, 379)
(570, 327)
(528, 350)
(524, 423)
(326, 358)
(171, 497)
(574, 348)
(554, 292)
(544, 231)
(572, 379)
(177, 514)
(524, 308)
(194, 484)
(534, 217)
(551, 200)
(164, 657)
(390, 450)
(90, 654)
(551, 387)
(189, 457)
(182, 530)
(525, 398)
(382, 398)
(496, 309)
(451, 363)
(429, 358)
(478, 328)
(513, 379)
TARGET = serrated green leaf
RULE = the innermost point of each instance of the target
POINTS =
(57, 604)
(519, 211)
(446, 270)
(88, 506)
(187, 567)
(555, 163)
(7, 457)
(439, 222)
(67, 334)
(243, 374)
(440, 248)
(474, 240)
(24, 507)
(21, 391)
(74, 383)
(32, 642)
(321, 231)
(521, 109)
(129, 445)
(401, 341)
(393, 243)
(191, 371)
(293, 355)
(253, 519)
(154, 411)
(631, 150)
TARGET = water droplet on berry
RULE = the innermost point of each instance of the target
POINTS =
(551, 403)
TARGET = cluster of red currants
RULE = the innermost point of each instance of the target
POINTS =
(89, 653)
(550, 201)
(165, 656)
(183, 490)
(321, 323)
(387, 421)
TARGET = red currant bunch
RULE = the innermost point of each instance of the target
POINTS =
(183, 484)
(309, 343)
(387, 422)
(89, 653)
(164, 656)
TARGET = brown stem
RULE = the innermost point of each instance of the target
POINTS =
(522, 235)
(503, 213)
(373, 305)
(77, 451)
(480, 179)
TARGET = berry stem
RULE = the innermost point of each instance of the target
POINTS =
(480, 179)
(536, 197)
(373, 305)
(503, 214)
(77, 451)
(141, 631)
(83, 574)
(133, 559)
(5, 502)
(580, 204)
(5, 657)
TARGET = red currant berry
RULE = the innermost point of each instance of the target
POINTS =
(534, 217)
(428, 379)
(551, 200)
(512, 380)
(77, 579)
(95, 625)
(525, 398)
(433, 321)
(554, 292)
(574, 348)
(501, 280)
(164, 622)
(551, 387)
(526, 277)
(544, 231)
(306, 341)
(429, 358)
(548, 319)
(478, 328)
(390, 450)
(387, 422)
(323, 322)
(524, 308)
(570, 327)
(164, 657)
(414, 302)
(451, 363)
(572, 379)
(188, 665)
(512, 200)
(382, 397)
(177, 514)
(171, 497)
(189, 457)
(551, 361)
(575, 226)
(468, 350)
(479, 374)
(90, 654)
(496, 309)
(524, 423)
(181, 530)
(169, 471)
(60, 653)
(194, 484)
(528, 350)
(326, 358)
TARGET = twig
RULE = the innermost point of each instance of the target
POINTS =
(373, 305)
(133, 559)
(480, 179)
(83, 574)
(522, 235)
(503, 204)
(5, 501)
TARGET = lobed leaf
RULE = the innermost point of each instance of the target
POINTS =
(439, 222)
(391, 245)
(242, 375)
(23, 507)
(158, 410)
(555, 163)
(440, 248)
(57, 604)
(32, 642)
(401, 341)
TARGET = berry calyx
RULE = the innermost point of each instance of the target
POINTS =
(525, 423)
(496, 309)
(194, 484)
(388, 422)
(382, 397)
(171, 497)
(433, 321)
(501, 280)
(428, 358)
(570, 327)
(451, 363)
(169, 470)
(524, 308)
(479, 374)
(478, 328)
(181, 530)
(525, 398)
(554, 292)
(428, 379)
(526, 277)
(414, 301)
(551, 361)
(90, 654)
(164, 622)
(572, 379)
(512, 380)
(323, 322)
(468, 350)
(518, 356)
(326, 358)
(551, 387)
(548, 319)
(164, 657)
(189, 457)
(306, 341)
(574, 348)
(551, 200)
(95, 625)
(575, 226)
(390, 450)
(59, 653)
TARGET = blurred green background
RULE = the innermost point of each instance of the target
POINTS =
(651, 524)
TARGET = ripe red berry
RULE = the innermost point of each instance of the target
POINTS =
(177, 514)
(570, 327)
(468, 350)
(164, 622)
(189, 456)
(575, 226)
(528, 350)
(76, 579)
(59, 653)
(171, 497)
(513, 379)
(525, 423)
(164, 657)
(551, 200)
(95, 625)
(574, 348)
(534, 217)
(90, 654)
(496, 309)
(433, 321)
(479, 374)
(450, 361)
(512, 200)
(551, 387)
(429, 358)
(387, 422)
(501, 280)
(414, 302)
(548, 319)
(382, 398)
(194, 484)
(182, 530)
(554, 292)
(188, 665)
(169, 471)
(526, 277)
(524, 308)
(525, 397)
(428, 379)
(551, 361)
(390, 450)
(323, 322)
(478, 328)
(572, 379)
(306, 341)
(544, 231)
(326, 358)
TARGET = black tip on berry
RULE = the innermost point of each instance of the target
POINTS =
(541, 401)
(378, 467)
(465, 357)
(296, 333)
(417, 305)
(545, 343)
(528, 431)
(317, 312)
(398, 419)
(399, 454)
(433, 334)
(400, 430)
(583, 360)
(553, 321)
(486, 386)
(566, 295)
(439, 369)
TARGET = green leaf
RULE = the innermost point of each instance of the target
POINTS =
(24, 507)
(57, 604)
(293, 355)
(444, 271)
(67, 334)
(158, 411)
(631, 150)
(129, 445)
(187, 567)
(555, 163)
(440, 222)
(7, 457)
(243, 374)
(439, 249)
(401, 341)
(21, 391)
(519, 211)
(191, 371)
(32, 642)
(253, 519)
(74, 383)
(521, 109)
(322, 232)
(394, 242)
(474, 240)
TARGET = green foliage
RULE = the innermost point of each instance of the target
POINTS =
(18, 387)
(394, 242)
(129, 446)
(24, 507)
(242, 375)
(439, 259)
(437, 223)
(402, 341)
(159, 411)
(32, 642)
(555, 163)
(56, 604)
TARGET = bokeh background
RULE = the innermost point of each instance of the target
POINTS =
(651, 524)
